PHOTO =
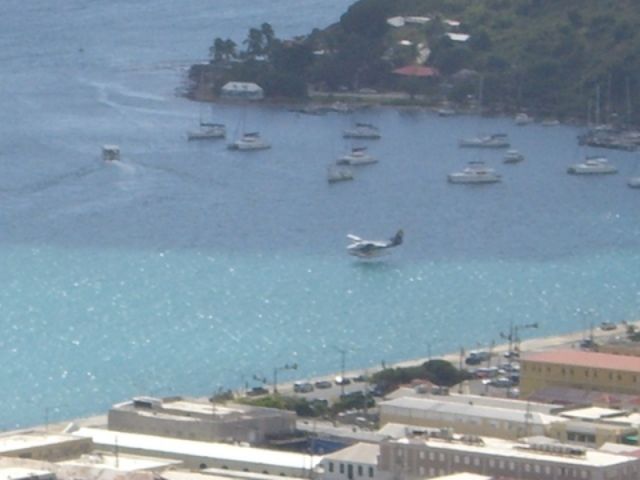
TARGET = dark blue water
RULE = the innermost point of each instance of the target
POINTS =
(186, 267)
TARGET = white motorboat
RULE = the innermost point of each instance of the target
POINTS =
(362, 130)
(512, 156)
(593, 165)
(338, 174)
(357, 156)
(208, 131)
(250, 141)
(523, 119)
(110, 153)
(496, 140)
(446, 112)
(475, 172)
(634, 182)
(550, 122)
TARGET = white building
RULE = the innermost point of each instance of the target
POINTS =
(414, 458)
(242, 90)
(203, 455)
(468, 418)
(199, 420)
(356, 462)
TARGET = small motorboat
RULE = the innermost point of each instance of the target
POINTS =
(338, 174)
(475, 172)
(208, 131)
(110, 153)
(496, 140)
(357, 156)
(593, 165)
(250, 141)
(513, 156)
(362, 130)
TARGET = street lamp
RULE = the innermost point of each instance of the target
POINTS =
(292, 366)
(343, 355)
(512, 336)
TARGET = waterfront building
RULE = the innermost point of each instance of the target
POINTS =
(356, 462)
(595, 426)
(242, 91)
(199, 420)
(203, 455)
(420, 457)
(468, 418)
(39, 445)
(579, 369)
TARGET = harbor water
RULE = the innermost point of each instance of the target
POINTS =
(184, 267)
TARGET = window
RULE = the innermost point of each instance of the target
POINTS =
(466, 460)
(370, 472)
(331, 467)
(342, 468)
(432, 456)
(456, 459)
(421, 455)
(421, 470)
(359, 470)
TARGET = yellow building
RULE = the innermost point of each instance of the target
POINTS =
(593, 371)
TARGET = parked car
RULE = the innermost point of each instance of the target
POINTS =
(587, 344)
(608, 326)
(302, 387)
(476, 357)
(501, 382)
(342, 380)
(255, 391)
(322, 384)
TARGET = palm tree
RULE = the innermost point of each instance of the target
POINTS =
(229, 49)
(268, 35)
(216, 51)
(254, 42)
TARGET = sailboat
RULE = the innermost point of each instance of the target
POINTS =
(207, 131)
(495, 140)
(249, 141)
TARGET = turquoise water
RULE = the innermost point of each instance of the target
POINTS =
(186, 267)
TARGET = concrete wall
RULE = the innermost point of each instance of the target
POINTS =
(254, 430)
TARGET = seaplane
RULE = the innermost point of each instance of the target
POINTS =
(372, 248)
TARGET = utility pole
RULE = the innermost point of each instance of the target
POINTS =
(343, 360)
(292, 366)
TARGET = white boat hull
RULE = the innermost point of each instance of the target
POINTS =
(473, 179)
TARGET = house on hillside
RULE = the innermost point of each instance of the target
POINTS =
(242, 91)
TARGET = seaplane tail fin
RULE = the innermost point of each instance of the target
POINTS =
(397, 238)
(353, 237)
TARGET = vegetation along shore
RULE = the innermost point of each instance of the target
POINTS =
(566, 60)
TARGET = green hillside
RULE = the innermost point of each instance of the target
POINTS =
(550, 57)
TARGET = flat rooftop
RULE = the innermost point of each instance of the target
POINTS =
(440, 405)
(19, 473)
(364, 453)
(121, 462)
(581, 358)
(592, 413)
(192, 448)
(499, 448)
(12, 442)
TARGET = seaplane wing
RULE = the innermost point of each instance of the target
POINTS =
(372, 248)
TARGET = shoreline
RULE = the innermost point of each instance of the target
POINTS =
(566, 340)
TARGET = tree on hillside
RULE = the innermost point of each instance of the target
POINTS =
(268, 36)
(254, 42)
(222, 50)
(367, 18)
